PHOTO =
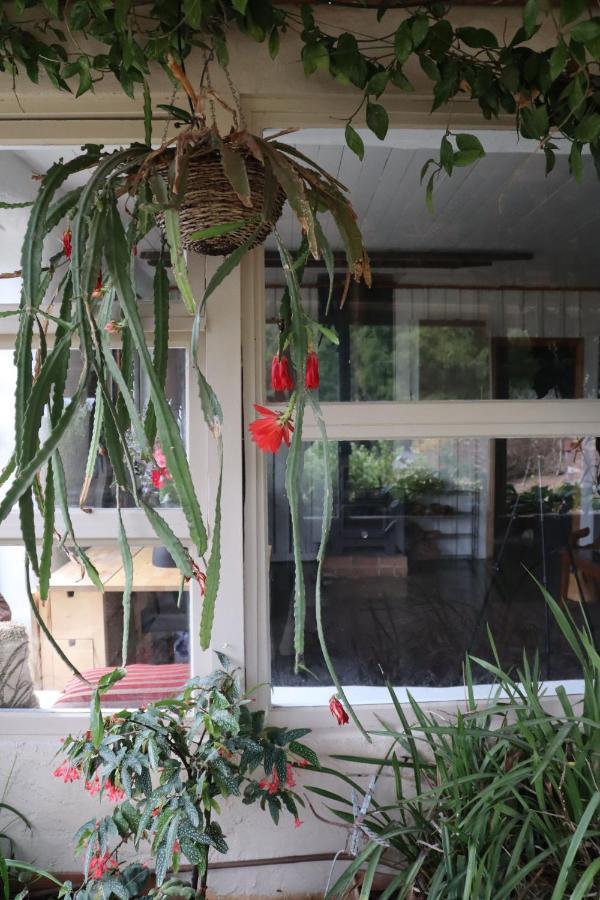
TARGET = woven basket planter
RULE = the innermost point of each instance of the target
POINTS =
(210, 200)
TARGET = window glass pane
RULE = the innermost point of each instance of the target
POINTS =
(155, 488)
(493, 295)
(88, 626)
(153, 485)
(430, 543)
(450, 344)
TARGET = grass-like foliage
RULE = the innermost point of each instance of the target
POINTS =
(498, 801)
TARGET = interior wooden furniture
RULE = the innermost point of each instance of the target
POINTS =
(580, 569)
(86, 622)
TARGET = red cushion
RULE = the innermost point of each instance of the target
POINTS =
(142, 684)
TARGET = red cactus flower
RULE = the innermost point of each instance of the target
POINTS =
(289, 776)
(67, 242)
(297, 822)
(281, 377)
(338, 711)
(312, 371)
(268, 432)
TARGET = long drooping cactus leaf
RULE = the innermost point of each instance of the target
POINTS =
(127, 561)
(27, 473)
(160, 355)
(213, 416)
(173, 234)
(48, 535)
(44, 628)
(117, 255)
(85, 257)
(293, 471)
(92, 457)
(60, 491)
(126, 367)
(165, 533)
(325, 529)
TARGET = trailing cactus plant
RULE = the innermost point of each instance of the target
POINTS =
(88, 294)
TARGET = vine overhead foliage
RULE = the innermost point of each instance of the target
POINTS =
(549, 84)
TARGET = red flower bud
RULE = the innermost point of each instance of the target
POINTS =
(67, 243)
(281, 377)
(312, 371)
(338, 711)
(98, 289)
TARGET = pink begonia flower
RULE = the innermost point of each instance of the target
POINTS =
(67, 773)
(100, 864)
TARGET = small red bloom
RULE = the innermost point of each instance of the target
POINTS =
(289, 776)
(100, 864)
(113, 327)
(281, 377)
(297, 822)
(268, 432)
(338, 711)
(312, 371)
(67, 243)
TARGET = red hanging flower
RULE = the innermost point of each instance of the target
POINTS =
(281, 377)
(268, 432)
(298, 822)
(67, 243)
(338, 711)
(312, 371)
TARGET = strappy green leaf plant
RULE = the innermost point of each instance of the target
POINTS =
(498, 801)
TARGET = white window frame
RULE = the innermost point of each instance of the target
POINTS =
(365, 420)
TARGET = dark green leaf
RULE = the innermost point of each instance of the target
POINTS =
(377, 120)
(530, 16)
(354, 141)
(586, 31)
(571, 10)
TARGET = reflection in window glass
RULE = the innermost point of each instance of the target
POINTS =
(418, 343)
(155, 488)
(88, 626)
(430, 543)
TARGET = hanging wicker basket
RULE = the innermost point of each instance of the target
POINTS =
(210, 200)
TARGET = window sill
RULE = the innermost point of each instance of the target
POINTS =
(359, 695)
